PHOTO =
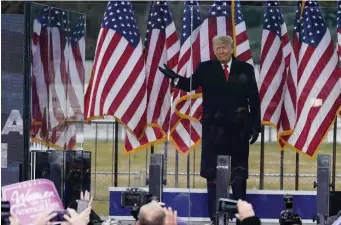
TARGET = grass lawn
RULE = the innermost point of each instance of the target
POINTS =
(102, 160)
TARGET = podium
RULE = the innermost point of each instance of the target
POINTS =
(70, 171)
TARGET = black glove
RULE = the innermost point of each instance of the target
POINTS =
(253, 136)
(168, 72)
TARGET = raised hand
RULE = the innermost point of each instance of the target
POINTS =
(168, 72)
(87, 196)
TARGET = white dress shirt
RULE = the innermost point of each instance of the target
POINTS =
(228, 65)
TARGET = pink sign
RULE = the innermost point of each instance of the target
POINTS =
(29, 198)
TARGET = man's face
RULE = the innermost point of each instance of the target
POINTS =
(223, 52)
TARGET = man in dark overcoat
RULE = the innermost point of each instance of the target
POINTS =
(231, 114)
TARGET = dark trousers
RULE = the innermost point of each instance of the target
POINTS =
(238, 192)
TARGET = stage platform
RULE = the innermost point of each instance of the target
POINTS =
(192, 204)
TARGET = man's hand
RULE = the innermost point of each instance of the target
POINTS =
(87, 196)
(168, 72)
(253, 136)
(171, 217)
(245, 210)
(44, 217)
(82, 218)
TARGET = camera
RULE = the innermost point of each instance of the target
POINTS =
(135, 198)
(5, 212)
(226, 205)
(287, 216)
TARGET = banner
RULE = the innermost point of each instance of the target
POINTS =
(30, 198)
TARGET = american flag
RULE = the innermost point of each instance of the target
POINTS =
(339, 36)
(118, 66)
(288, 114)
(274, 49)
(318, 87)
(52, 105)
(76, 70)
(224, 18)
(184, 132)
(161, 47)
(276, 81)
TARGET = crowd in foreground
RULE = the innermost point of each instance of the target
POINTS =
(153, 213)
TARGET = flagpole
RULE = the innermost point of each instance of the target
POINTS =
(190, 100)
(152, 146)
(116, 155)
(334, 154)
(25, 168)
(233, 27)
(165, 162)
(261, 167)
(297, 156)
(190, 111)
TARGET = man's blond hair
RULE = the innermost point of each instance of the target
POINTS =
(223, 39)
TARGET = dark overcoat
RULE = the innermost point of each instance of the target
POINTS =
(231, 108)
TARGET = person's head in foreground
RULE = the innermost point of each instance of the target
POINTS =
(154, 214)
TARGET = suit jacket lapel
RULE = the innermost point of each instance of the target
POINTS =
(234, 68)
(218, 67)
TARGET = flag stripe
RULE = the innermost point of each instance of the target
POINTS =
(314, 71)
(104, 53)
(213, 31)
(117, 85)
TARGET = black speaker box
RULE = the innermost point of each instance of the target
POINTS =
(42, 165)
(69, 170)
(86, 170)
(334, 202)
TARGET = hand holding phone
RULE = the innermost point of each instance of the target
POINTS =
(59, 217)
(44, 217)
(82, 205)
(245, 210)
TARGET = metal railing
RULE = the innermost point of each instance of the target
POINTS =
(181, 171)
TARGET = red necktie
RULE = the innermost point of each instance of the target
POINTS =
(227, 74)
